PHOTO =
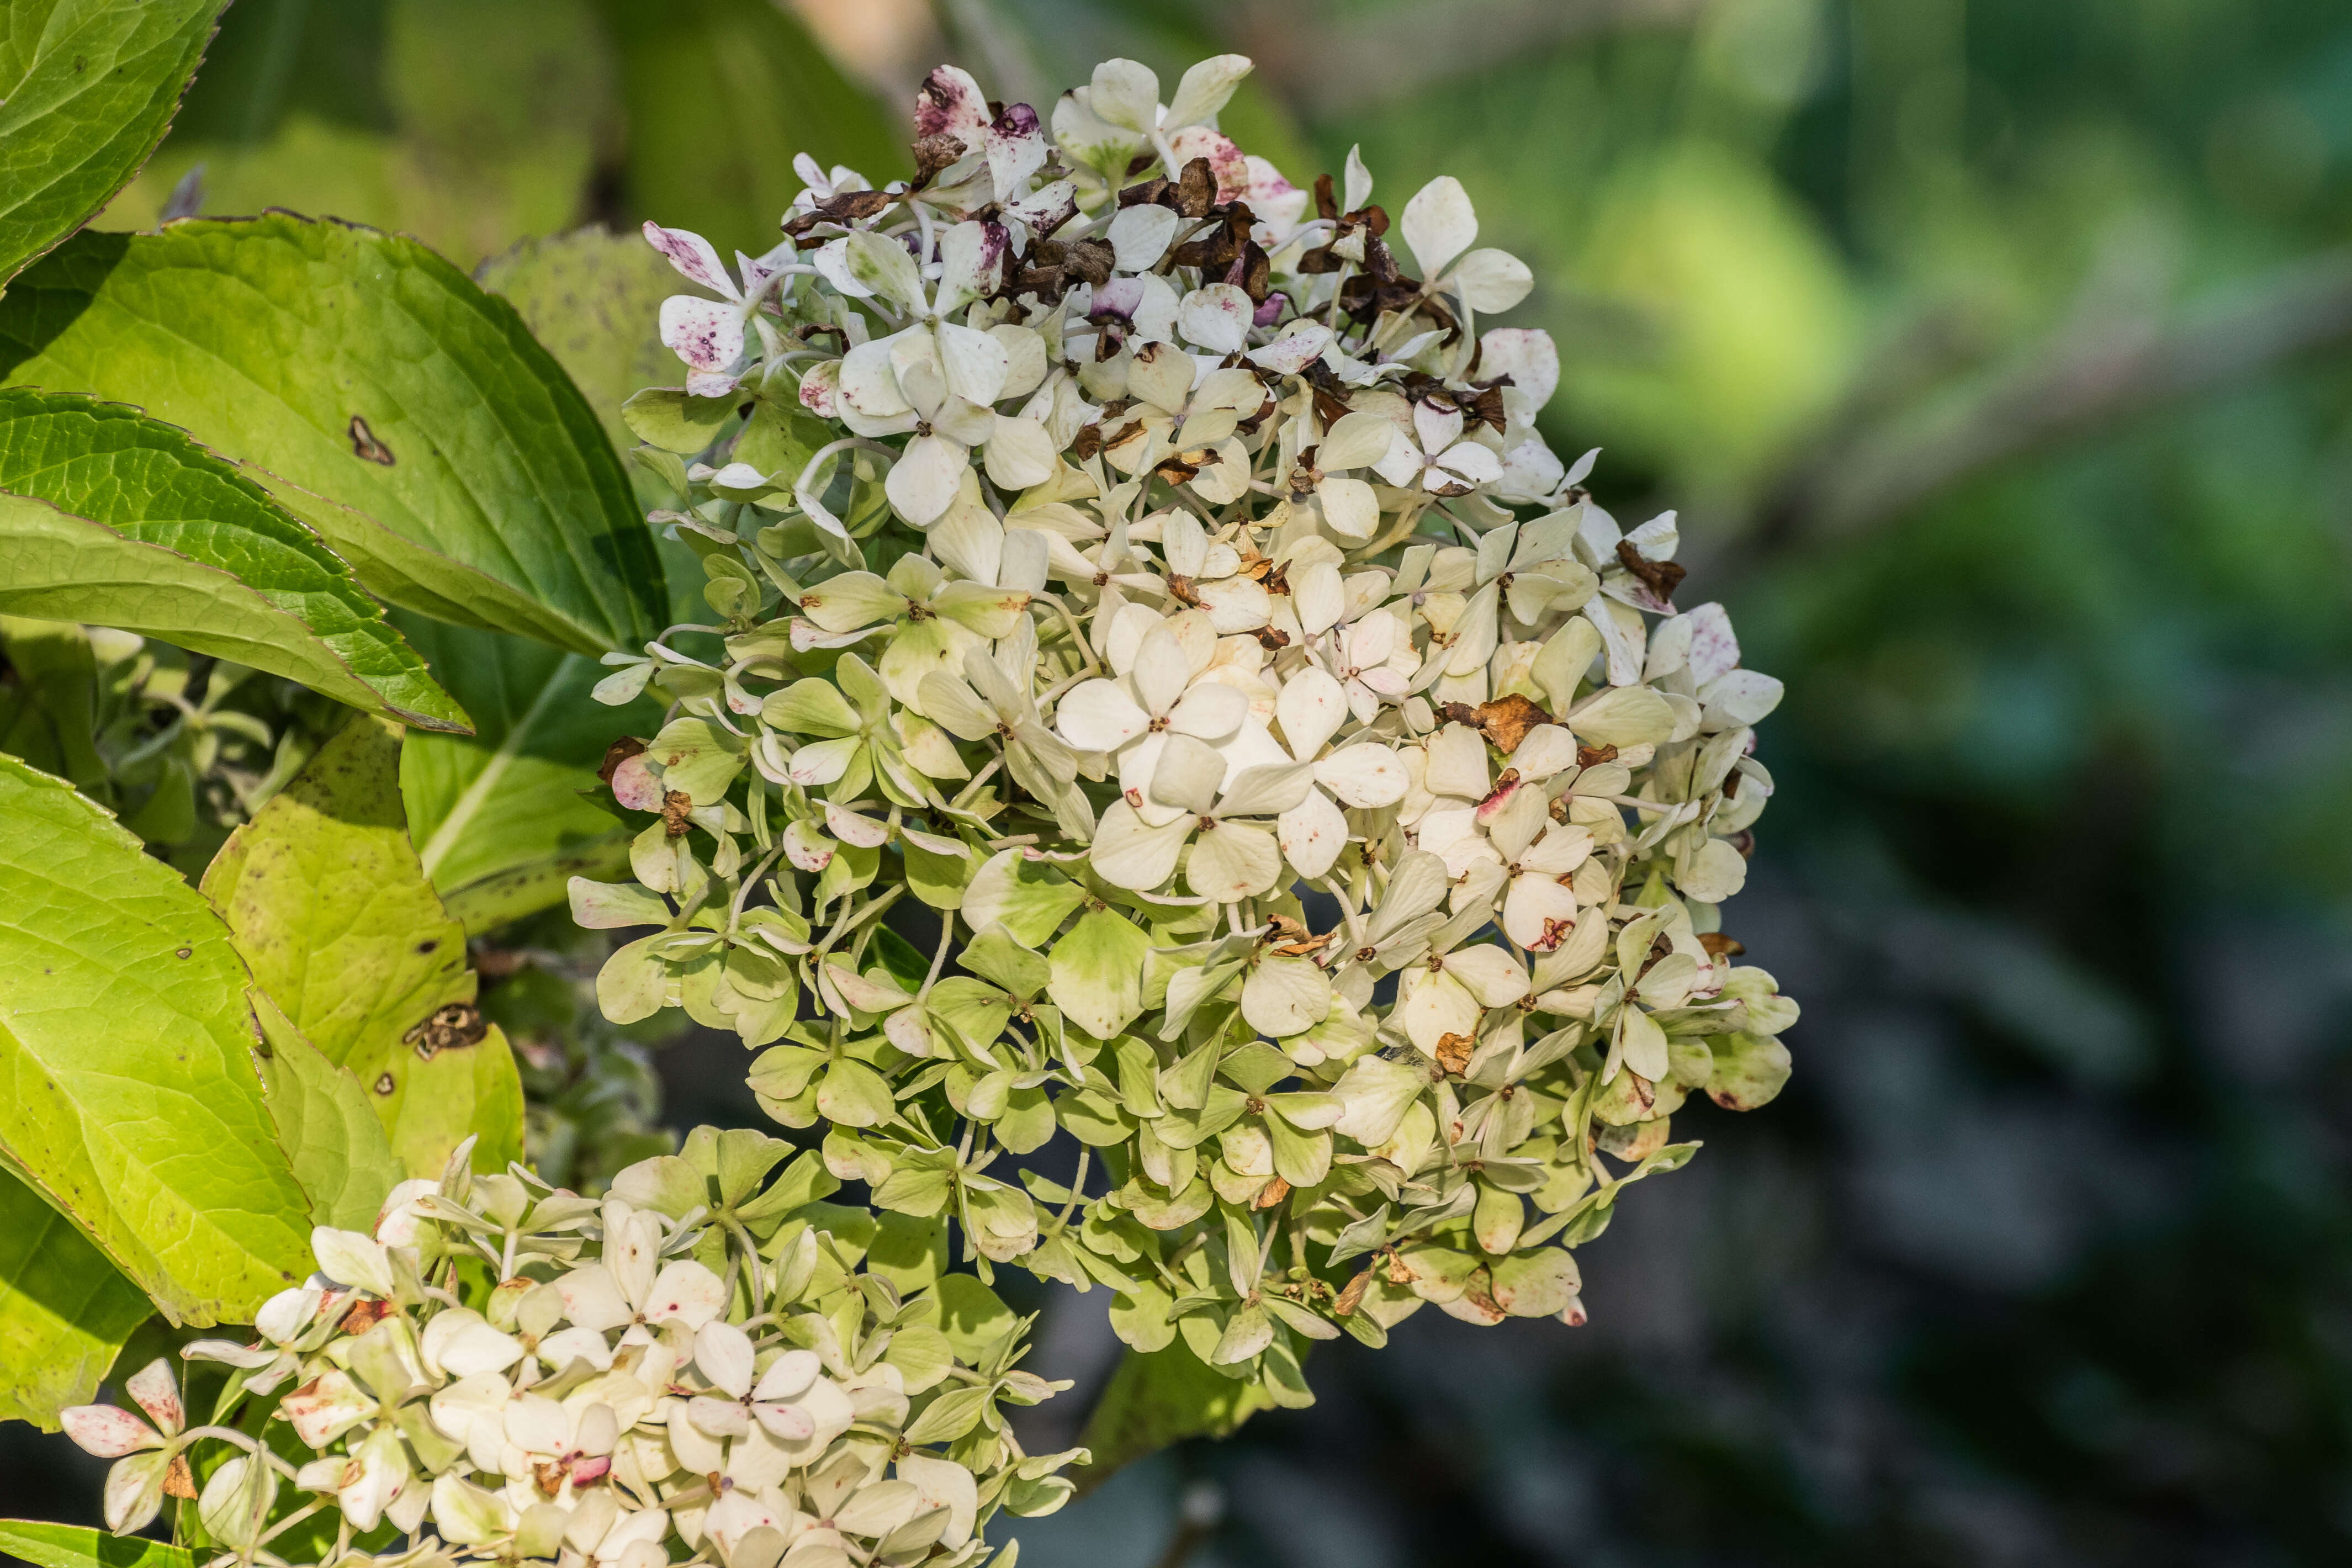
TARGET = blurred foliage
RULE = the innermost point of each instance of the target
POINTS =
(1995, 350)
(181, 746)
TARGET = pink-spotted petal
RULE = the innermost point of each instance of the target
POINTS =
(1225, 160)
(158, 1393)
(1016, 149)
(107, 1432)
(706, 333)
(950, 103)
(693, 257)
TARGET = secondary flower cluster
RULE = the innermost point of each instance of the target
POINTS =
(705, 1361)
(1326, 806)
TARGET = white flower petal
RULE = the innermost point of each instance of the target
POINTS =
(685, 1291)
(1208, 711)
(592, 1298)
(923, 483)
(1021, 454)
(1491, 280)
(1439, 224)
(1366, 776)
(1187, 775)
(1098, 716)
(1128, 852)
(1216, 317)
(972, 263)
(1207, 87)
(1356, 440)
(722, 1352)
(1127, 95)
(1298, 348)
(1233, 861)
(1312, 833)
(881, 266)
(974, 362)
(1525, 354)
(1310, 709)
(1350, 506)
(1140, 236)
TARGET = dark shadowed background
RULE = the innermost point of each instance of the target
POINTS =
(1994, 353)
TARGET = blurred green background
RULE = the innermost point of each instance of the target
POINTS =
(1994, 353)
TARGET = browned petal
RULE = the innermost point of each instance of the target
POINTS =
(933, 154)
(1506, 720)
(619, 751)
(363, 1316)
(1196, 189)
(1661, 577)
(1091, 259)
(1454, 1051)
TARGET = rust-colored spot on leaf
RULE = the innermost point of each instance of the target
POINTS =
(365, 445)
(456, 1024)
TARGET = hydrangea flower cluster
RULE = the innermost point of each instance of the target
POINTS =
(702, 1364)
(1327, 806)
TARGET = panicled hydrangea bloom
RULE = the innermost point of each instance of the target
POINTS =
(704, 1363)
(1156, 569)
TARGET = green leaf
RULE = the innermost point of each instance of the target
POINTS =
(340, 1151)
(110, 465)
(431, 1104)
(78, 1546)
(328, 906)
(907, 966)
(719, 95)
(361, 367)
(1159, 1397)
(502, 819)
(128, 1094)
(65, 1311)
(86, 90)
(594, 299)
(62, 567)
